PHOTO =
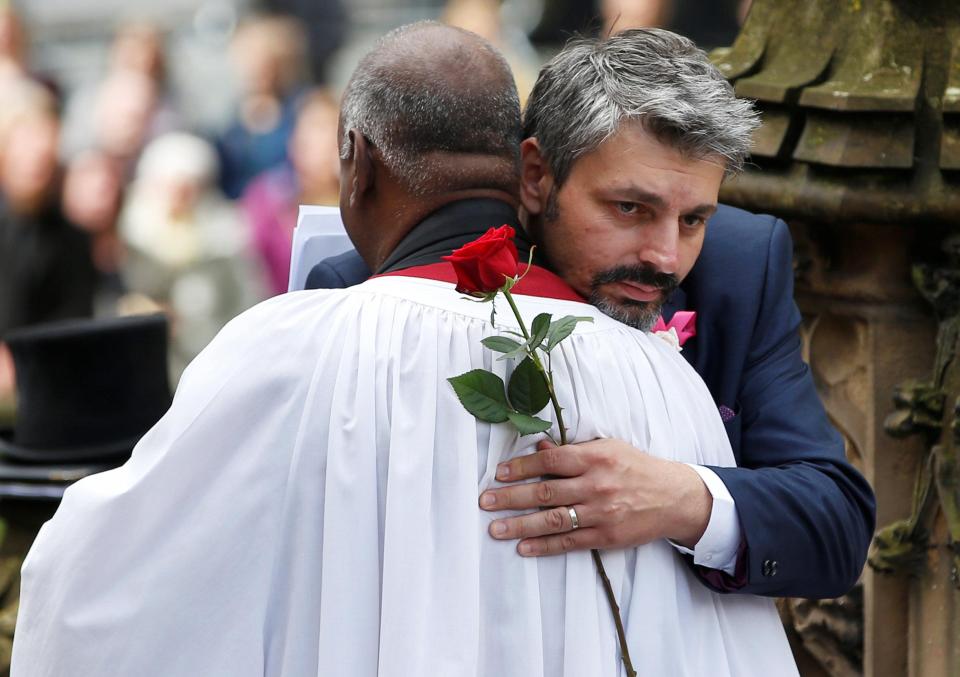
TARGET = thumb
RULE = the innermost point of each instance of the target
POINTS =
(545, 444)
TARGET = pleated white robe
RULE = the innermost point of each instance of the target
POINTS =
(308, 507)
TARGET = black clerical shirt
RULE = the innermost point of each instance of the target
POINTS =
(451, 227)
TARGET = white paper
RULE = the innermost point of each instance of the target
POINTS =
(319, 235)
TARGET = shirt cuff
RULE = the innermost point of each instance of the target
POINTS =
(719, 546)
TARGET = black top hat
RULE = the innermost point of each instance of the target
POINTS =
(87, 390)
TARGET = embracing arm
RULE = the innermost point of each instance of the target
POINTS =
(807, 516)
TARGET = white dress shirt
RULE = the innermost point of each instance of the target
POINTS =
(717, 548)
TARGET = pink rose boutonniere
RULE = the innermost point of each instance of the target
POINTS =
(682, 326)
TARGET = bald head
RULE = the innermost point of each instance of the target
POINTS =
(439, 106)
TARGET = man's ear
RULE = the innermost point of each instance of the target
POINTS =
(362, 172)
(536, 180)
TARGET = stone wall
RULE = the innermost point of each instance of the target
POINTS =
(859, 151)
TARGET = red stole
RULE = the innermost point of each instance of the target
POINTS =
(537, 282)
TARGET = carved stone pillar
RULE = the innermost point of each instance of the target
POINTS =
(865, 333)
(926, 544)
(860, 152)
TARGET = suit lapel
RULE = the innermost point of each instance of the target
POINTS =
(678, 301)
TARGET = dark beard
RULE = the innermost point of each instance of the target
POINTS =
(637, 314)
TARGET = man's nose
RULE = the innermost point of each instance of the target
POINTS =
(660, 246)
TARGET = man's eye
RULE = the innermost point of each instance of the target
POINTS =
(627, 207)
(692, 221)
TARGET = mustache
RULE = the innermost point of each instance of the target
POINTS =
(640, 274)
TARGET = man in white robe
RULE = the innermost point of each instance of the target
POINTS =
(308, 504)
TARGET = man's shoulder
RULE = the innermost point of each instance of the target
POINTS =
(737, 251)
(337, 272)
(735, 234)
(744, 270)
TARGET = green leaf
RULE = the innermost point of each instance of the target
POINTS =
(538, 330)
(528, 390)
(528, 425)
(519, 351)
(562, 328)
(501, 344)
(482, 394)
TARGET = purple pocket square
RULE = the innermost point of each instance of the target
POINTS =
(726, 413)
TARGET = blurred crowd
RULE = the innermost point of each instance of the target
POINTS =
(111, 204)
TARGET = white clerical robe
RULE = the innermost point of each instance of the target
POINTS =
(308, 507)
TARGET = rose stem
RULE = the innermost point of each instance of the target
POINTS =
(601, 570)
(536, 361)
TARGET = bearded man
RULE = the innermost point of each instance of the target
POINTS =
(624, 152)
(308, 504)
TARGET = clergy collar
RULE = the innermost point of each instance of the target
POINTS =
(451, 227)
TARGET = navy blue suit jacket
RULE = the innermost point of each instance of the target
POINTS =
(807, 516)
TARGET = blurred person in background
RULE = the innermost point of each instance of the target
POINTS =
(271, 201)
(621, 15)
(46, 273)
(131, 105)
(139, 47)
(187, 246)
(8, 387)
(326, 25)
(92, 197)
(709, 23)
(13, 43)
(269, 54)
(14, 54)
(483, 18)
(125, 107)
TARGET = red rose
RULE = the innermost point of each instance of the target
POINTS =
(483, 265)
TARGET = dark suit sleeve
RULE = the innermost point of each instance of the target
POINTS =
(323, 276)
(807, 516)
(338, 272)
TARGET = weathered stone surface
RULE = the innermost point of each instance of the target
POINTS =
(830, 632)
(860, 152)
(877, 142)
(870, 87)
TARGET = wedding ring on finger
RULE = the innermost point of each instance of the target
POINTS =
(574, 520)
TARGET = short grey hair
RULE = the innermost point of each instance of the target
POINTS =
(652, 76)
(406, 112)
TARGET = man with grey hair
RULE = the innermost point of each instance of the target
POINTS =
(652, 84)
(627, 139)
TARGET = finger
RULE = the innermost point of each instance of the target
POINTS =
(581, 539)
(540, 523)
(564, 461)
(533, 495)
